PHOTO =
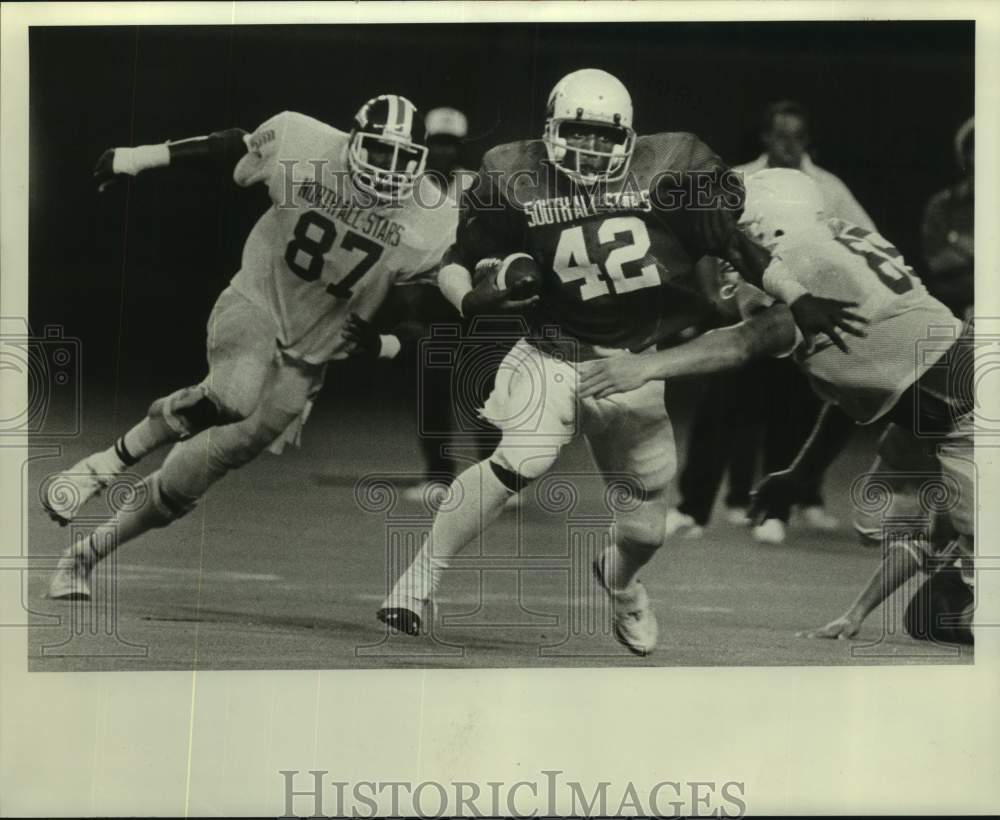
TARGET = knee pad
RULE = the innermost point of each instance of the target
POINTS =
(527, 462)
(513, 481)
(191, 410)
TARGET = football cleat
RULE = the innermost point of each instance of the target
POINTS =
(634, 620)
(682, 525)
(868, 536)
(772, 531)
(401, 619)
(65, 493)
(71, 580)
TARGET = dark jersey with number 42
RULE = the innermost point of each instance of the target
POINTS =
(617, 259)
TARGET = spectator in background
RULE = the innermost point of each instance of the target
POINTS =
(446, 129)
(771, 396)
(949, 232)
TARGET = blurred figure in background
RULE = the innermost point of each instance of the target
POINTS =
(948, 231)
(413, 316)
(770, 397)
(446, 129)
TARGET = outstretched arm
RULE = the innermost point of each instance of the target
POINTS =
(220, 148)
(779, 490)
(812, 314)
(899, 565)
(769, 332)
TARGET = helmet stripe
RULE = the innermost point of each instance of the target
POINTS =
(393, 114)
(407, 111)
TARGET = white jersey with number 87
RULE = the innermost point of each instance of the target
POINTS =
(317, 255)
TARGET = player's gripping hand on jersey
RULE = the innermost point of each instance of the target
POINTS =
(616, 374)
(817, 314)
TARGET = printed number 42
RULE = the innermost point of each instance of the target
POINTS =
(618, 273)
(314, 236)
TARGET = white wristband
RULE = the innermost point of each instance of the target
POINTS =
(133, 160)
(779, 281)
(390, 347)
(454, 281)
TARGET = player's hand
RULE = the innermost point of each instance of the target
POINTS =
(817, 314)
(104, 171)
(616, 374)
(843, 628)
(774, 492)
(362, 338)
(486, 298)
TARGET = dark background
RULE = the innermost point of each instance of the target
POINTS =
(133, 273)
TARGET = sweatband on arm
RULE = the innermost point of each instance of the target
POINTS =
(454, 281)
(133, 160)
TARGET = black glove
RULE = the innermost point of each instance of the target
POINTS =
(104, 173)
(362, 338)
(817, 314)
(486, 298)
(775, 492)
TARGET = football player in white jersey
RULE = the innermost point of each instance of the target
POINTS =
(889, 374)
(351, 216)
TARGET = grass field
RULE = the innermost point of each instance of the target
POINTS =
(280, 567)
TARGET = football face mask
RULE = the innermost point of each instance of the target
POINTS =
(386, 168)
(385, 155)
(591, 152)
(588, 127)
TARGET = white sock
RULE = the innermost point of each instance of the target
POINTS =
(124, 527)
(483, 496)
(107, 462)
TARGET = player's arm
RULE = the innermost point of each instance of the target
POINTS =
(483, 238)
(901, 562)
(365, 341)
(712, 197)
(780, 489)
(221, 149)
(768, 332)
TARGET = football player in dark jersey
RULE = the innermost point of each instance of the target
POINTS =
(616, 223)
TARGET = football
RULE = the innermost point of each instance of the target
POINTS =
(521, 273)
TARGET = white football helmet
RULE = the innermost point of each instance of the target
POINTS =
(780, 202)
(386, 152)
(592, 97)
